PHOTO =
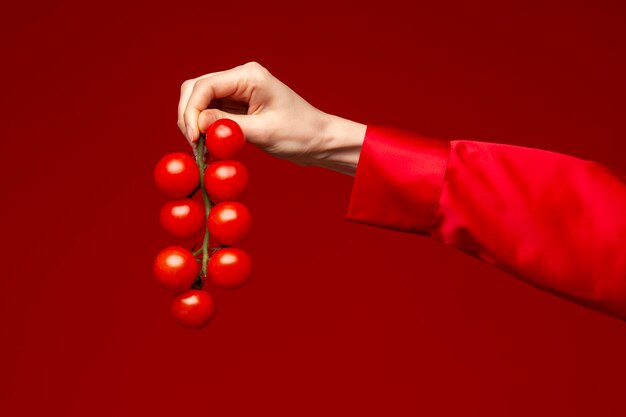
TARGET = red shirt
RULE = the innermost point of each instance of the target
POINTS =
(552, 220)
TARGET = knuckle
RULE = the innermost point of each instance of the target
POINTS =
(256, 73)
(253, 65)
(202, 84)
(186, 85)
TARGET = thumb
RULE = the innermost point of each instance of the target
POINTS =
(249, 123)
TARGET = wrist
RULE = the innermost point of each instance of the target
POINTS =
(343, 140)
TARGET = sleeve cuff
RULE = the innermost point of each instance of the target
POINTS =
(398, 180)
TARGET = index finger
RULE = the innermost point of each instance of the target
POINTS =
(230, 83)
(185, 93)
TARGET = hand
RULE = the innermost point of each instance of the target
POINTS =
(272, 117)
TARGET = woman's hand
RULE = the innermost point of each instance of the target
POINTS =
(272, 117)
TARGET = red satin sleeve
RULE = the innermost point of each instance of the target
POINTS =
(552, 220)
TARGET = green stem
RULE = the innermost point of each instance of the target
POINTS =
(215, 249)
(207, 202)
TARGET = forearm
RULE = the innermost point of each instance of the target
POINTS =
(342, 143)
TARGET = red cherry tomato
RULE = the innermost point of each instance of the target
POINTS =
(177, 174)
(224, 139)
(193, 309)
(175, 268)
(229, 268)
(225, 180)
(182, 218)
(229, 222)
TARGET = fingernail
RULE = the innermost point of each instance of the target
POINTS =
(189, 133)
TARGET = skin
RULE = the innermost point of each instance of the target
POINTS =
(272, 116)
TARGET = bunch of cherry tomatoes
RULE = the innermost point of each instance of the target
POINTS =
(222, 180)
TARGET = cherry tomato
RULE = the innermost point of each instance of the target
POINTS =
(193, 309)
(229, 268)
(224, 139)
(182, 218)
(177, 174)
(225, 180)
(229, 222)
(175, 268)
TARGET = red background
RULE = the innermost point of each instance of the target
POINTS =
(340, 319)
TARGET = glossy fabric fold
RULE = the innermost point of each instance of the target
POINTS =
(552, 220)
(398, 180)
